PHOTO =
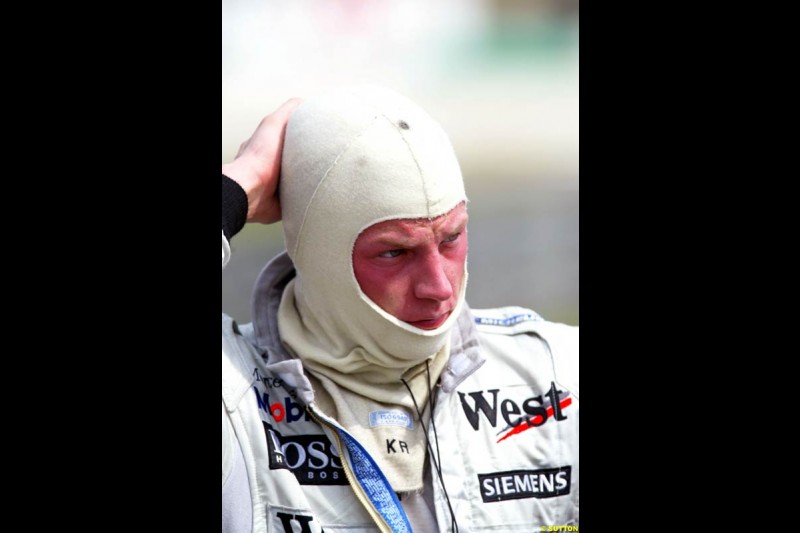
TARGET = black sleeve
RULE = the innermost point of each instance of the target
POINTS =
(234, 207)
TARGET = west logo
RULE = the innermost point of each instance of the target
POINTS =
(289, 410)
(518, 484)
(311, 458)
(536, 410)
(303, 521)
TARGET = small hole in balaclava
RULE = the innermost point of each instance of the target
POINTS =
(404, 124)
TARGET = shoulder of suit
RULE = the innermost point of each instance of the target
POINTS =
(497, 326)
(512, 320)
(231, 327)
(238, 355)
(234, 334)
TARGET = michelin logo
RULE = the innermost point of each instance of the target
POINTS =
(507, 321)
(519, 484)
(391, 417)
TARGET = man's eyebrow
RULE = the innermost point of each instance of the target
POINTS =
(458, 225)
(399, 239)
(392, 239)
(463, 223)
(404, 235)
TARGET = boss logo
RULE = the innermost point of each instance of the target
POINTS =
(311, 458)
(276, 458)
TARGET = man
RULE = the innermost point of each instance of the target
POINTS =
(366, 395)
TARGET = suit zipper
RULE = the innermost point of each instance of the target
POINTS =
(357, 489)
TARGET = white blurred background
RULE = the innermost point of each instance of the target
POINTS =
(501, 76)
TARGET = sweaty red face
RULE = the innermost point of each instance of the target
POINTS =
(413, 268)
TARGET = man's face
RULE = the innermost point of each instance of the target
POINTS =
(413, 268)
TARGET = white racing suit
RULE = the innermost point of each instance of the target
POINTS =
(506, 434)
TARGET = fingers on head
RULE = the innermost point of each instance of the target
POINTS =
(283, 112)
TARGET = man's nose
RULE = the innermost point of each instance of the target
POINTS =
(431, 281)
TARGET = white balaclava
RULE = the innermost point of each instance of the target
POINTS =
(352, 158)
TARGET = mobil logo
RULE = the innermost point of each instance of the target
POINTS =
(286, 410)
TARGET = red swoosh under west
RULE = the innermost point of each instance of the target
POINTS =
(522, 427)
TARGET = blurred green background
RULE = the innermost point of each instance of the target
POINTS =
(500, 76)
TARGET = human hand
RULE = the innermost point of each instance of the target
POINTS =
(257, 165)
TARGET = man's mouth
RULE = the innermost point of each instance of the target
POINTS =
(430, 323)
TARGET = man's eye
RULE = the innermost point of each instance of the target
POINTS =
(452, 238)
(391, 253)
